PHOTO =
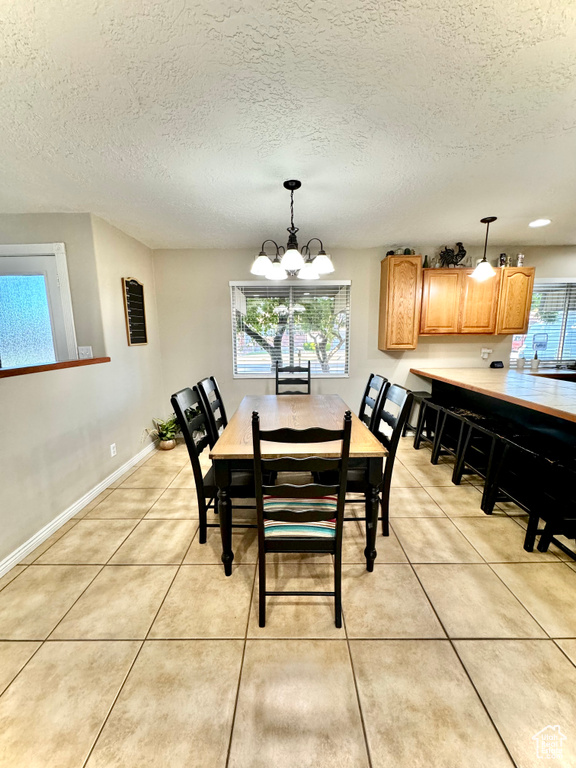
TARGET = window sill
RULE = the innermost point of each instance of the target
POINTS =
(6, 372)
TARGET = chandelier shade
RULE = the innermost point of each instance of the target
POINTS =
(484, 270)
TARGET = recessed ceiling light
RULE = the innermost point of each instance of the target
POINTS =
(539, 223)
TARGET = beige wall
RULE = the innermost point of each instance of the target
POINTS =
(75, 231)
(58, 425)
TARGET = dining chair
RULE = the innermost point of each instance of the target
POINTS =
(214, 406)
(301, 518)
(285, 378)
(194, 424)
(375, 388)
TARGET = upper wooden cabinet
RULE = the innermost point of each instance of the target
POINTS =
(440, 301)
(515, 299)
(400, 297)
(478, 304)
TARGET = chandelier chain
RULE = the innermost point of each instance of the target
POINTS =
(292, 209)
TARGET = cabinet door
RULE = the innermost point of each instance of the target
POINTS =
(400, 291)
(515, 299)
(479, 304)
(440, 301)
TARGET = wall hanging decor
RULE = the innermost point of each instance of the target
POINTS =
(135, 311)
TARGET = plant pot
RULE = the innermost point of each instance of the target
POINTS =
(166, 445)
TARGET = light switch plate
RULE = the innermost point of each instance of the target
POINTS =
(85, 353)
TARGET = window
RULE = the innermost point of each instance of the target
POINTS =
(290, 324)
(36, 322)
(552, 326)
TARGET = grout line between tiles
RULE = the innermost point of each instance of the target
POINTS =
(362, 721)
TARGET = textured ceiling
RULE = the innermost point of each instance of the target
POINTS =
(407, 120)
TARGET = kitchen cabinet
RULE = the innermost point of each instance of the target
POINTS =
(400, 299)
(515, 299)
(478, 304)
(441, 291)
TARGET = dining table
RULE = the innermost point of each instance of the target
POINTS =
(233, 451)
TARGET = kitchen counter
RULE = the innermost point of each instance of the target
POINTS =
(528, 389)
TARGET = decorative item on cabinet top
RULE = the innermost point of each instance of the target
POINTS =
(416, 301)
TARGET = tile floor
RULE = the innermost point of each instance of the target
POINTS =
(123, 644)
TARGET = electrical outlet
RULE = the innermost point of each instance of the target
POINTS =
(485, 352)
(113, 450)
(85, 353)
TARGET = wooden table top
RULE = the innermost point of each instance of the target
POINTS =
(552, 396)
(298, 412)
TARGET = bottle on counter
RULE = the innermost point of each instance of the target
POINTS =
(502, 260)
(535, 362)
(520, 363)
(520, 260)
(425, 265)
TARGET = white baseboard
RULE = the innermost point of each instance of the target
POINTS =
(15, 557)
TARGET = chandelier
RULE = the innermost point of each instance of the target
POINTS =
(484, 270)
(290, 261)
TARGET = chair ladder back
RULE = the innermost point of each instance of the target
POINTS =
(375, 389)
(194, 424)
(290, 380)
(213, 405)
(402, 398)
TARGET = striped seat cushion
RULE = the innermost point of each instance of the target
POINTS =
(325, 529)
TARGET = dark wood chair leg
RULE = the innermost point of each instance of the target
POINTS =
(546, 537)
(203, 526)
(338, 589)
(492, 481)
(385, 507)
(461, 457)
(531, 532)
(262, 590)
(438, 435)
(420, 426)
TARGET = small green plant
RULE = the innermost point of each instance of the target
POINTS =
(166, 429)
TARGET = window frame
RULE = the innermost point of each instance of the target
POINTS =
(58, 252)
(513, 363)
(283, 284)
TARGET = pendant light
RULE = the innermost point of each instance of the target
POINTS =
(484, 270)
(290, 260)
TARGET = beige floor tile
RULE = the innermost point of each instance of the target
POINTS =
(175, 709)
(184, 479)
(569, 648)
(572, 565)
(157, 542)
(354, 544)
(387, 603)
(526, 686)
(203, 602)
(298, 616)
(402, 478)
(120, 604)
(32, 605)
(420, 709)
(52, 712)
(176, 504)
(125, 503)
(411, 456)
(117, 483)
(94, 503)
(458, 500)
(41, 548)
(406, 444)
(522, 520)
(11, 575)
(89, 542)
(297, 706)
(153, 477)
(13, 656)
(547, 591)
(244, 546)
(412, 502)
(432, 474)
(472, 601)
(168, 460)
(499, 540)
(433, 540)
(511, 509)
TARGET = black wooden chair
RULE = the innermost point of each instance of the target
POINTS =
(305, 518)
(285, 378)
(214, 406)
(375, 388)
(194, 424)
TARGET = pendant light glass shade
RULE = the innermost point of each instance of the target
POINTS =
(276, 271)
(308, 271)
(484, 271)
(292, 260)
(323, 264)
(261, 265)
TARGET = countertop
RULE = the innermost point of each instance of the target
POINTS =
(556, 397)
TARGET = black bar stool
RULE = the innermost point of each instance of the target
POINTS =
(428, 420)
(419, 396)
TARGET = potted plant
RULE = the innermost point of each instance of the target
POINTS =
(165, 431)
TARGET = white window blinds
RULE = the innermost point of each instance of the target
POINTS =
(552, 326)
(290, 324)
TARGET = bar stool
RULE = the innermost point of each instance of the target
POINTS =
(428, 420)
(448, 438)
(419, 396)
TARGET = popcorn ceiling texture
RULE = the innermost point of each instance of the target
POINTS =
(407, 120)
